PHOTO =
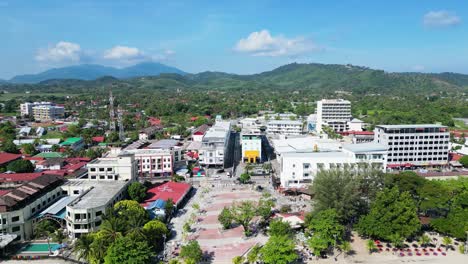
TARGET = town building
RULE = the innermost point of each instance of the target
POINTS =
(284, 127)
(26, 109)
(48, 112)
(170, 145)
(20, 205)
(251, 144)
(115, 166)
(414, 145)
(153, 162)
(89, 200)
(358, 137)
(333, 113)
(199, 133)
(298, 168)
(6, 158)
(215, 145)
(75, 143)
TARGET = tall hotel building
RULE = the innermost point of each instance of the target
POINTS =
(335, 113)
(414, 145)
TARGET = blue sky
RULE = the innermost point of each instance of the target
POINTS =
(234, 36)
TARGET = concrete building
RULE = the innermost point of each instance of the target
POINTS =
(75, 143)
(153, 162)
(251, 144)
(27, 108)
(414, 145)
(199, 133)
(89, 201)
(215, 145)
(334, 113)
(48, 112)
(115, 166)
(298, 168)
(170, 145)
(284, 127)
(19, 206)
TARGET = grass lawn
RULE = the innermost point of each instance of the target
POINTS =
(53, 134)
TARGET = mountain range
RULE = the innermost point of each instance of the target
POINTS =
(312, 77)
(93, 71)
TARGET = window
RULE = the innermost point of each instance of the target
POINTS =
(109, 169)
(98, 213)
(102, 177)
(109, 177)
(101, 169)
(16, 228)
(76, 192)
(15, 219)
(92, 169)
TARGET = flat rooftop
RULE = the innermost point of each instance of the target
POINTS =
(99, 194)
(365, 147)
(412, 126)
(332, 155)
(164, 144)
(287, 122)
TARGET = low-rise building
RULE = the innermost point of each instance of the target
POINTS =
(414, 145)
(170, 145)
(115, 166)
(26, 109)
(20, 205)
(48, 112)
(284, 127)
(91, 200)
(153, 162)
(251, 144)
(75, 143)
(215, 145)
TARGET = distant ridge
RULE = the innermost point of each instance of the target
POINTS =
(94, 71)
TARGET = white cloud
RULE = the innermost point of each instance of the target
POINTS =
(262, 43)
(62, 52)
(123, 53)
(441, 18)
(418, 68)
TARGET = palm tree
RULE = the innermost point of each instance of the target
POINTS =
(135, 228)
(424, 240)
(396, 240)
(112, 229)
(58, 236)
(447, 241)
(82, 247)
(345, 247)
(44, 229)
(370, 246)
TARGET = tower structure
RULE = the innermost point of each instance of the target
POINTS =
(121, 128)
(111, 112)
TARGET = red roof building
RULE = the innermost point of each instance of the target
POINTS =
(19, 177)
(169, 190)
(6, 158)
(99, 139)
(154, 121)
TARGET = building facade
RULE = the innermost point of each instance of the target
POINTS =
(153, 162)
(284, 127)
(334, 113)
(122, 167)
(298, 169)
(19, 206)
(215, 145)
(251, 144)
(27, 108)
(414, 145)
(48, 112)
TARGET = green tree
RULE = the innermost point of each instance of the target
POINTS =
(55, 148)
(126, 250)
(20, 166)
(447, 241)
(10, 147)
(243, 213)
(396, 240)
(29, 149)
(99, 248)
(253, 254)
(169, 208)
(326, 229)
(424, 240)
(278, 250)
(127, 209)
(280, 228)
(391, 213)
(82, 247)
(58, 236)
(370, 246)
(238, 260)
(244, 178)
(464, 161)
(137, 191)
(155, 231)
(191, 251)
(345, 247)
(112, 229)
(264, 208)
(225, 218)
(45, 228)
(407, 181)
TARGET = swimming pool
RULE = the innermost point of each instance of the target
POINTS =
(40, 247)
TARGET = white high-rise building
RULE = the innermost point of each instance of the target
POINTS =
(27, 108)
(414, 145)
(334, 113)
(284, 127)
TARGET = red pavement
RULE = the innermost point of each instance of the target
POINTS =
(217, 234)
